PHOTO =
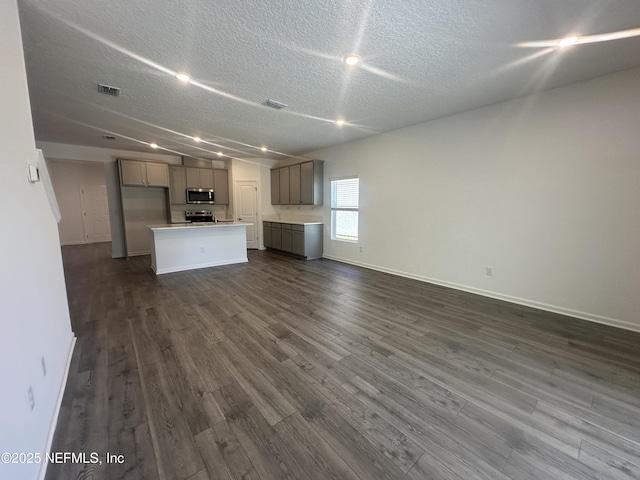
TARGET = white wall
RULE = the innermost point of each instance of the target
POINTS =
(106, 156)
(545, 189)
(35, 316)
(68, 179)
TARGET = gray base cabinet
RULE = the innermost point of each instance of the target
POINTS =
(301, 240)
(267, 234)
(287, 240)
(276, 236)
(297, 240)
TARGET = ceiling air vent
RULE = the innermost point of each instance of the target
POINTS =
(107, 90)
(108, 137)
(273, 104)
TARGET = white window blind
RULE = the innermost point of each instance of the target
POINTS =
(345, 200)
(345, 193)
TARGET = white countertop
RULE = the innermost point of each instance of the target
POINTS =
(185, 226)
(293, 220)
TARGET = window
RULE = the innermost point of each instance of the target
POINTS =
(344, 209)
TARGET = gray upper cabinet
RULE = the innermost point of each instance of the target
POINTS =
(298, 184)
(284, 186)
(157, 174)
(206, 178)
(199, 177)
(193, 177)
(294, 184)
(177, 185)
(135, 173)
(181, 178)
(275, 187)
(311, 174)
(221, 186)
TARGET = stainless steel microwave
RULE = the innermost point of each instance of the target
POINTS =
(200, 195)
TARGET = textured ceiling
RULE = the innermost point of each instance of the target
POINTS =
(421, 59)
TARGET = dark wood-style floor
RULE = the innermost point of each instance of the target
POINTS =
(281, 368)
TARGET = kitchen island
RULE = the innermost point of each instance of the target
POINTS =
(178, 247)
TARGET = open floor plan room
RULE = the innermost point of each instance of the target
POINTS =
(313, 240)
(281, 368)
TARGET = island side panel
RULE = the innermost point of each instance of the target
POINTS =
(198, 247)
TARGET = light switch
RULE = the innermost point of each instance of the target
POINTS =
(33, 174)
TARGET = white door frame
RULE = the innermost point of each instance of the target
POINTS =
(236, 203)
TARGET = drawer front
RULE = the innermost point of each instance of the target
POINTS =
(287, 240)
(297, 243)
(298, 228)
(266, 224)
(276, 226)
(286, 226)
(276, 238)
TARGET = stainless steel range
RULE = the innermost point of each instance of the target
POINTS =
(198, 216)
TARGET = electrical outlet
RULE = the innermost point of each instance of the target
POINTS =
(44, 366)
(489, 271)
(32, 400)
(361, 249)
(201, 249)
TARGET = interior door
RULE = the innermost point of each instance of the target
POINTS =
(247, 208)
(95, 214)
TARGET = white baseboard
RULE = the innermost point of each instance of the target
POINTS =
(161, 271)
(613, 322)
(56, 412)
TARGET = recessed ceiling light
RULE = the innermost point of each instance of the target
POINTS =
(351, 59)
(196, 139)
(183, 77)
(153, 145)
(219, 154)
(566, 42)
(263, 148)
(581, 39)
(340, 122)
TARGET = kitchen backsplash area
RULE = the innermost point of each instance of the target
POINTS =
(177, 211)
(291, 212)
